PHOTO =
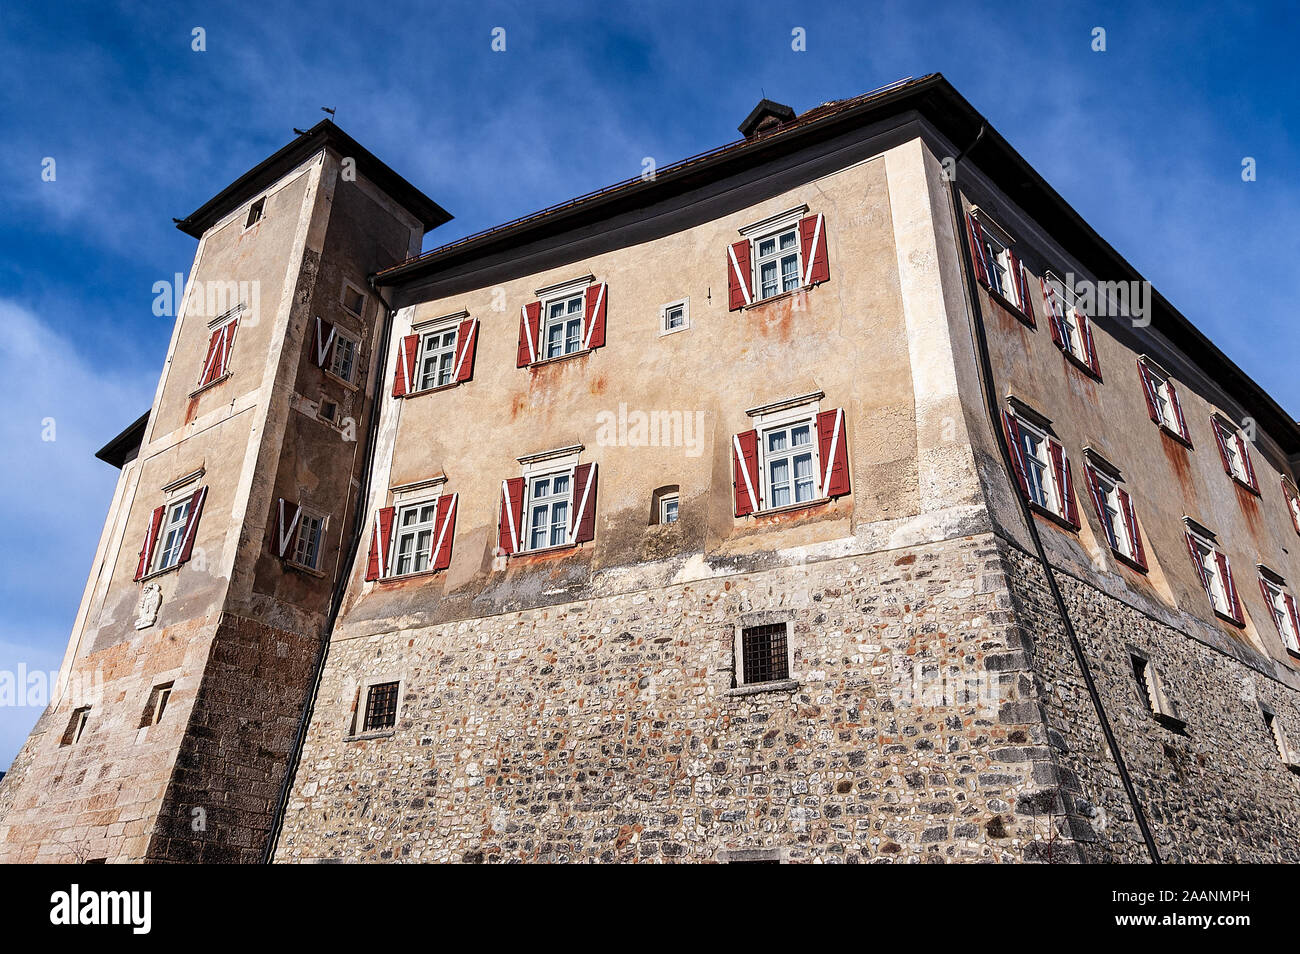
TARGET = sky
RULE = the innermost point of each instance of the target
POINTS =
(1146, 139)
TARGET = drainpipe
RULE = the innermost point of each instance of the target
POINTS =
(994, 410)
(340, 585)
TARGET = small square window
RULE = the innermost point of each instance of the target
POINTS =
(668, 509)
(76, 726)
(329, 411)
(1289, 758)
(157, 704)
(354, 299)
(381, 707)
(675, 316)
(764, 653)
(1152, 692)
(255, 212)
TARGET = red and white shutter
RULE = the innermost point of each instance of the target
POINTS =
(1068, 510)
(1131, 524)
(812, 244)
(1221, 440)
(1229, 586)
(594, 323)
(284, 526)
(1011, 428)
(744, 461)
(739, 276)
(1089, 347)
(530, 320)
(381, 534)
(833, 446)
(192, 524)
(1021, 282)
(218, 358)
(1292, 498)
(976, 235)
(466, 339)
(1295, 616)
(404, 374)
(511, 527)
(1054, 314)
(324, 342)
(1178, 411)
(1195, 552)
(445, 521)
(150, 541)
(1244, 450)
(1149, 391)
(582, 527)
(1094, 491)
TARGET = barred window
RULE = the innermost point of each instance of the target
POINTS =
(764, 653)
(381, 707)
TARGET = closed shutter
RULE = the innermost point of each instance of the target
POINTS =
(150, 540)
(582, 528)
(380, 536)
(192, 523)
(1244, 450)
(812, 243)
(1195, 552)
(404, 375)
(511, 525)
(832, 441)
(738, 276)
(976, 236)
(285, 526)
(1178, 412)
(446, 524)
(1089, 347)
(1131, 524)
(1068, 509)
(466, 340)
(324, 342)
(1011, 428)
(218, 357)
(595, 317)
(1149, 392)
(1054, 313)
(1220, 440)
(1234, 603)
(530, 319)
(744, 460)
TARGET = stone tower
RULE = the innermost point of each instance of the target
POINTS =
(181, 692)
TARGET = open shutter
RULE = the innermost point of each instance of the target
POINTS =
(218, 357)
(510, 528)
(812, 242)
(1011, 427)
(192, 523)
(1292, 498)
(446, 524)
(1089, 348)
(832, 441)
(1054, 314)
(976, 235)
(1178, 412)
(1021, 282)
(1230, 586)
(1219, 439)
(150, 540)
(1131, 524)
(404, 375)
(1244, 450)
(380, 535)
(324, 342)
(595, 317)
(744, 460)
(738, 276)
(1069, 510)
(287, 517)
(1195, 552)
(582, 527)
(1149, 392)
(466, 339)
(1094, 491)
(1291, 610)
(530, 319)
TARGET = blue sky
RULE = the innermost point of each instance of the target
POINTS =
(1145, 139)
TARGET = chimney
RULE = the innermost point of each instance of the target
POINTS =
(765, 117)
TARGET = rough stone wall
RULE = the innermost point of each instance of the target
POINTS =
(606, 730)
(235, 752)
(1215, 792)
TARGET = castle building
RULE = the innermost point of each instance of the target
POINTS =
(834, 495)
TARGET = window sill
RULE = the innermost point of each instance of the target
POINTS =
(1294, 654)
(1081, 364)
(543, 551)
(395, 578)
(1239, 623)
(1018, 312)
(1174, 434)
(157, 573)
(305, 570)
(1053, 516)
(1247, 486)
(434, 390)
(757, 688)
(791, 508)
(343, 381)
(559, 357)
(366, 736)
(1172, 723)
(767, 301)
(1128, 561)
(211, 384)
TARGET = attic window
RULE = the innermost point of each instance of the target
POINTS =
(255, 212)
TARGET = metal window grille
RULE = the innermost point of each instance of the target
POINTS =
(381, 706)
(764, 655)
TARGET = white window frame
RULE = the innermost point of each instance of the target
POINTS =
(666, 502)
(1281, 615)
(343, 298)
(1235, 445)
(442, 351)
(301, 538)
(1108, 489)
(995, 255)
(1067, 298)
(545, 322)
(336, 367)
(777, 256)
(358, 726)
(181, 505)
(1046, 480)
(789, 453)
(551, 501)
(1293, 502)
(664, 310)
(399, 508)
(1207, 553)
(738, 651)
